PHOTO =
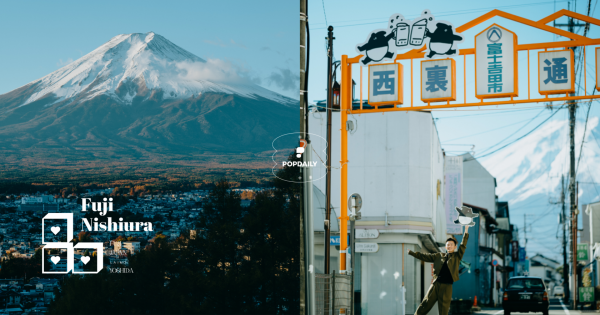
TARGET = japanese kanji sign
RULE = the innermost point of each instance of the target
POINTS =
(556, 72)
(582, 252)
(586, 294)
(597, 68)
(496, 63)
(438, 80)
(385, 84)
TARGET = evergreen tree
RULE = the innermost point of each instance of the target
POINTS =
(272, 230)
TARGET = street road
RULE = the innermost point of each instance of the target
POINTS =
(555, 309)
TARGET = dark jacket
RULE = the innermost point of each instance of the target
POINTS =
(438, 259)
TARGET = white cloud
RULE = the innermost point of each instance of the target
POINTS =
(62, 63)
(215, 70)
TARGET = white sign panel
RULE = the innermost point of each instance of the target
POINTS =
(438, 80)
(367, 233)
(454, 178)
(495, 63)
(437, 36)
(556, 72)
(597, 69)
(385, 84)
(366, 247)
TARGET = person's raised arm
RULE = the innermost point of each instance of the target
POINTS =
(463, 243)
(423, 256)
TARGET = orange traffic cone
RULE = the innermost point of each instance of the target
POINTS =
(475, 302)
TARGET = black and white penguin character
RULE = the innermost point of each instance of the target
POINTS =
(441, 40)
(465, 216)
(377, 48)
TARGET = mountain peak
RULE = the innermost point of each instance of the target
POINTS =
(143, 59)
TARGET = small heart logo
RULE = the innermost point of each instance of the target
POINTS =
(55, 229)
(85, 259)
(55, 259)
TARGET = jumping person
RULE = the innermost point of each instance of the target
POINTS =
(445, 273)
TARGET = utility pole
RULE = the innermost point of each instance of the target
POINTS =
(303, 131)
(564, 222)
(329, 108)
(525, 230)
(573, 207)
(330, 39)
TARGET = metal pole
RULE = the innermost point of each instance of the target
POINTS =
(310, 234)
(345, 100)
(525, 230)
(575, 273)
(333, 292)
(352, 254)
(303, 135)
(327, 223)
(572, 108)
(328, 161)
(565, 267)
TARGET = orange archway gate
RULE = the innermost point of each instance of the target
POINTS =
(346, 106)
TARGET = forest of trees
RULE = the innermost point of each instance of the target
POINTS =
(242, 260)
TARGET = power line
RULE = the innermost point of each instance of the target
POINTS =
(584, 131)
(323, 1)
(518, 122)
(508, 111)
(447, 13)
(515, 131)
(521, 137)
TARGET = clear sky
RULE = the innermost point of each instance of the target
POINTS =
(260, 37)
(459, 130)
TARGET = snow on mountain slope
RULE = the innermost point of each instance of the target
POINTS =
(147, 60)
(528, 175)
(533, 165)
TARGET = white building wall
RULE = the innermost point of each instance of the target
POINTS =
(395, 161)
(479, 188)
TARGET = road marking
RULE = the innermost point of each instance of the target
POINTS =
(498, 312)
(564, 307)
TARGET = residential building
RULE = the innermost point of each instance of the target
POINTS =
(396, 164)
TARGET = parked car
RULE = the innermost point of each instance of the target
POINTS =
(525, 294)
(559, 291)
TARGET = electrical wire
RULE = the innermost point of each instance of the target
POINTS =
(584, 131)
(478, 133)
(521, 137)
(532, 119)
(508, 111)
(440, 14)
(323, 1)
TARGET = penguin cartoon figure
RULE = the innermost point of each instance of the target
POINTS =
(441, 40)
(465, 216)
(377, 47)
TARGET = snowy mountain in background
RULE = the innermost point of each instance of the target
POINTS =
(149, 61)
(140, 95)
(528, 175)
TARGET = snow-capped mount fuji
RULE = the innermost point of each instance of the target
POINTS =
(139, 95)
(528, 175)
(151, 62)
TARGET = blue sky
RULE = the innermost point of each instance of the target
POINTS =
(261, 37)
(353, 22)
(461, 130)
